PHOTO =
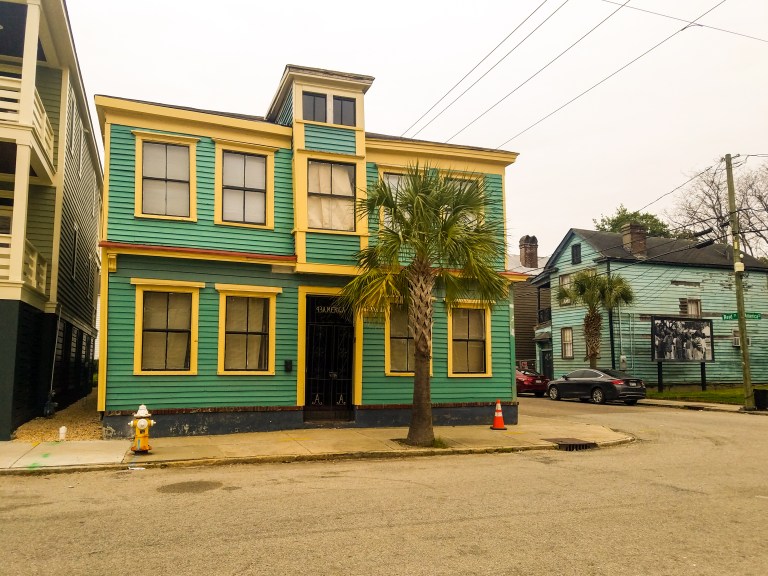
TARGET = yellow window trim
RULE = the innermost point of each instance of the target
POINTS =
(246, 291)
(365, 233)
(151, 285)
(387, 352)
(244, 148)
(340, 157)
(301, 356)
(328, 124)
(488, 357)
(144, 136)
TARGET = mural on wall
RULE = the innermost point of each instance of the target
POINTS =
(681, 340)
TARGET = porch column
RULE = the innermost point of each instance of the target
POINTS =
(29, 63)
(19, 218)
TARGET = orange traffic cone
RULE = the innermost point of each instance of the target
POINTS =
(498, 418)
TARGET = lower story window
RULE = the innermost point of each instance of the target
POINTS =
(470, 341)
(167, 331)
(402, 351)
(246, 345)
(566, 343)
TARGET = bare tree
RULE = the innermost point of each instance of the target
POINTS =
(704, 204)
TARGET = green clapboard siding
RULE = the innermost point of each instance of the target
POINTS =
(285, 117)
(328, 139)
(371, 178)
(124, 227)
(332, 248)
(381, 389)
(494, 189)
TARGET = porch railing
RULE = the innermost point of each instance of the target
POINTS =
(10, 107)
(545, 315)
(34, 267)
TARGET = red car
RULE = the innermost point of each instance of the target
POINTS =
(528, 381)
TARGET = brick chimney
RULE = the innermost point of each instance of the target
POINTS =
(633, 236)
(529, 251)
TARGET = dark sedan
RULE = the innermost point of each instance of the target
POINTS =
(599, 385)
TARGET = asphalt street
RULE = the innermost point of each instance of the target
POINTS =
(689, 497)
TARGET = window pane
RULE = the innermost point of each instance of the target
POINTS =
(234, 351)
(178, 351)
(232, 206)
(155, 310)
(178, 163)
(343, 180)
(319, 178)
(460, 357)
(255, 207)
(153, 197)
(398, 321)
(308, 103)
(257, 352)
(153, 161)
(153, 351)
(394, 180)
(319, 212)
(179, 311)
(177, 199)
(236, 314)
(348, 112)
(398, 355)
(255, 172)
(320, 108)
(337, 111)
(476, 357)
(258, 315)
(477, 324)
(343, 217)
(460, 323)
(234, 169)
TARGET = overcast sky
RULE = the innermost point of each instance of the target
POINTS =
(643, 132)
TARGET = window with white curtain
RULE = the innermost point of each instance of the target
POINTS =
(331, 196)
(246, 334)
(166, 331)
(165, 186)
(244, 197)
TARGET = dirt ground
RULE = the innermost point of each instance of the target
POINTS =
(80, 418)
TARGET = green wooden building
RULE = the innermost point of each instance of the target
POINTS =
(671, 278)
(227, 238)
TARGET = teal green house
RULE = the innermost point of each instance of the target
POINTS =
(673, 282)
(226, 239)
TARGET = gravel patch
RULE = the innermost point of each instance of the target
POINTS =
(81, 419)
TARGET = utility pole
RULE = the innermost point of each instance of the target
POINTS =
(738, 269)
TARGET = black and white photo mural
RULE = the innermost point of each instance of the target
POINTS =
(681, 340)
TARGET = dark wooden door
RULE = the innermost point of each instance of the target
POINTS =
(547, 364)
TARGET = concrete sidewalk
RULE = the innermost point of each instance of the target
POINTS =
(707, 406)
(295, 445)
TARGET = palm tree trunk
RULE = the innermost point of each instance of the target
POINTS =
(420, 283)
(592, 323)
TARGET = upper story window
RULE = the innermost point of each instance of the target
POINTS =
(165, 176)
(565, 281)
(394, 181)
(344, 111)
(165, 184)
(576, 254)
(315, 107)
(690, 307)
(331, 196)
(244, 195)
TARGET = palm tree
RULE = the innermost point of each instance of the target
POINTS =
(596, 292)
(438, 230)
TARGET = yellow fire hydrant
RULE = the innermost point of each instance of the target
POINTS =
(141, 424)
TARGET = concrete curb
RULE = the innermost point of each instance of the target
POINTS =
(291, 458)
(680, 405)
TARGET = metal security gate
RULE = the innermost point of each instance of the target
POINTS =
(330, 345)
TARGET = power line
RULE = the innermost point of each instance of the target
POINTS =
(684, 20)
(681, 185)
(572, 100)
(540, 70)
(452, 88)
(491, 68)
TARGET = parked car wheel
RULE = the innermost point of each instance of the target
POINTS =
(630, 401)
(598, 396)
(554, 393)
(539, 393)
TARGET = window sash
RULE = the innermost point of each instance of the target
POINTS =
(165, 179)
(402, 348)
(314, 107)
(166, 331)
(331, 196)
(246, 334)
(566, 343)
(343, 111)
(468, 340)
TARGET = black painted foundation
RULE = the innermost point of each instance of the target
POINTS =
(232, 422)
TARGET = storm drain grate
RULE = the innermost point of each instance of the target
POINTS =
(571, 444)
